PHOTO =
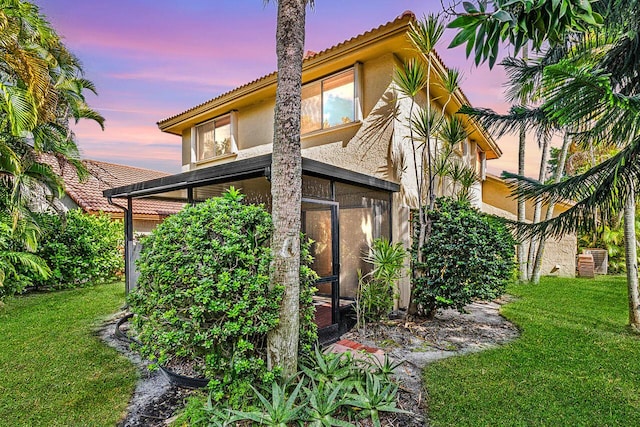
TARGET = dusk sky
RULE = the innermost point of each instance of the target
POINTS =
(151, 59)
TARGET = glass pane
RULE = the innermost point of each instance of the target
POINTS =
(356, 234)
(310, 118)
(364, 216)
(317, 188)
(204, 140)
(337, 100)
(223, 136)
(255, 190)
(316, 223)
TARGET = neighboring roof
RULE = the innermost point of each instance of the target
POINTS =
(252, 167)
(103, 175)
(312, 66)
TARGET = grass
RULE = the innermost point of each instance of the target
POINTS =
(54, 371)
(576, 363)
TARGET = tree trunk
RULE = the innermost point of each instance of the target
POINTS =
(631, 259)
(562, 160)
(537, 212)
(286, 185)
(522, 261)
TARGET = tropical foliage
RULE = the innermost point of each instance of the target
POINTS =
(468, 256)
(589, 85)
(485, 25)
(330, 390)
(41, 89)
(378, 288)
(77, 249)
(434, 136)
(80, 249)
(203, 295)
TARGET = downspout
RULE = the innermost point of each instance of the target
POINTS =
(128, 240)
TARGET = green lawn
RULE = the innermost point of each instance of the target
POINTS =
(53, 370)
(576, 363)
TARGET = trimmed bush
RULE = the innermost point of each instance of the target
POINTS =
(80, 249)
(203, 296)
(467, 256)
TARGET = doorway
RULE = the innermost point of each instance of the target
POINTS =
(320, 224)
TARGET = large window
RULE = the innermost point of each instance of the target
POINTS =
(328, 102)
(213, 138)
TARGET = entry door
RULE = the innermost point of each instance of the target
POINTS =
(320, 224)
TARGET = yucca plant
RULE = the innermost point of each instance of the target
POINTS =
(377, 288)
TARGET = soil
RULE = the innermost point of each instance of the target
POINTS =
(414, 344)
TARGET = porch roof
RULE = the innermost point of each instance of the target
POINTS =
(243, 169)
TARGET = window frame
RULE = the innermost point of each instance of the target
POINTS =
(233, 131)
(357, 98)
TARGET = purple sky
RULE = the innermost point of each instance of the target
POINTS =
(151, 59)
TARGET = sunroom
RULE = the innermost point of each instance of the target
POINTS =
(342, 212)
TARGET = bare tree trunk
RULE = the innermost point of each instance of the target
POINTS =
(631, 259)
(286, 185)
(522, 261)
(537, 212)
(562, 160)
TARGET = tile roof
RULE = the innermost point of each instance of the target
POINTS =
(103, 175)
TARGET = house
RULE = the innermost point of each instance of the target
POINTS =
(559, 253)
(87, 194)
(354, 136)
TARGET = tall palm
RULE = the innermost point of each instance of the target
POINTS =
(286, 184)
(593, 87)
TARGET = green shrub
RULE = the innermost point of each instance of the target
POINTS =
(80, 249)
(376, 289)
(468, 255)
(203, 294)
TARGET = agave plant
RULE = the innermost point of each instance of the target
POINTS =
(280, 411)
(324, 400)
(373, 397)
(328, 367)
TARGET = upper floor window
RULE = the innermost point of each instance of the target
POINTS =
(213, 138)
(328, 102)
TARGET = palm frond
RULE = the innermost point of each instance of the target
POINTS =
(426, 32)
(605, 186)
(411, 77)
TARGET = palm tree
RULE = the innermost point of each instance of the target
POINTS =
(592, 87)
(42, 88)
(286, 184)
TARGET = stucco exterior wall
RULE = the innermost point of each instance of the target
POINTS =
(559, 257)
(497, 194)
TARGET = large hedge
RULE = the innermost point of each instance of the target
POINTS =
(203, 295)
(80, 249)
(468, 255)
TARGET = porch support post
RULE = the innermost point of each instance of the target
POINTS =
(128, 246)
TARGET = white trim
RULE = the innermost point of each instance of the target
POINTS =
(358, 88)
